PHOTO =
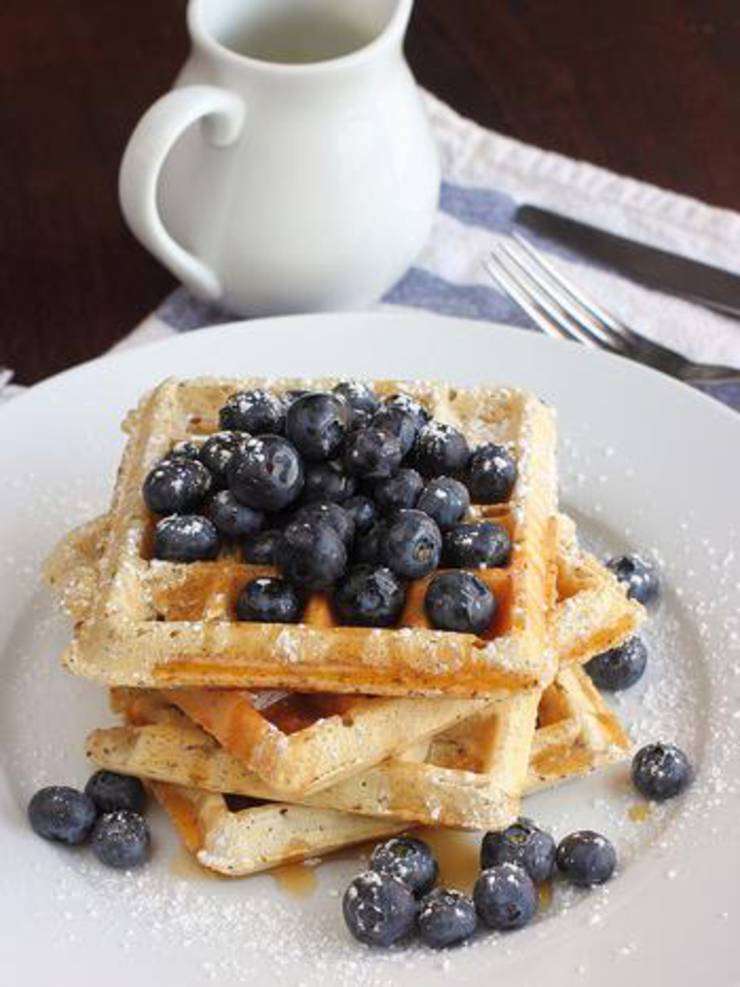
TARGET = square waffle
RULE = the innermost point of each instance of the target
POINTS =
(161, 624)
(470, 776)
(299, 743)
(576, 733)
(236, 837)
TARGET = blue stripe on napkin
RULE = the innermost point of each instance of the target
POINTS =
(417, 289)
(183, 312)
(495, 212)
(422, 289)
(485, 207)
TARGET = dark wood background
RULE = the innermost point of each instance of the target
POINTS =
(646, 87)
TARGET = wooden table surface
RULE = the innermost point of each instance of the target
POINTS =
(650, 88)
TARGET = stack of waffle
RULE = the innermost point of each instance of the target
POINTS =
(269, 743)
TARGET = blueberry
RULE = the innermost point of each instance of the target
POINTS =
(331, 514)
(408, 859)
(398, 492)
(586, 858)
(369, 596)
(492, 474)
(459, 601)
(267, 474)
(638, 574)
(218, 450)
(619, 668)
(233, 519)
(186, 538)
(446, 918)
(505, 897)
(445, 500)
(404, 402)
(359, 396)
(261, 549)
(121, 839)
(396, 422)
(110, 791)
(441, 449)
(660, 771)
(257, 412)
(369, 547)
(522, 843)
(279, 520)
(311, 554)
(176, 486)
(360, 419)
(184, 450)
(293, 394)
(316, 424)
(478, 545)
(412, 544)
(362, 511)
(62, 814)
(269, 600)
(379, 909)
(372, 453)
(328, 481)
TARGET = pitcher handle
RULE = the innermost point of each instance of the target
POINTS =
(149, 145)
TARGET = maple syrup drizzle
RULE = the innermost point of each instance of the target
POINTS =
(184, 865)
(458, 855)
(297, 880)
(544, 893)
(639, 812)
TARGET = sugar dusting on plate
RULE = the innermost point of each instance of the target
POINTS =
(229, 927)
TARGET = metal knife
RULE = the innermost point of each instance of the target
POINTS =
(672, 273)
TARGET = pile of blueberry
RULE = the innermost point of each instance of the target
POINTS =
(108, 815)
(659, 771)
(396, 898)
(342, 492)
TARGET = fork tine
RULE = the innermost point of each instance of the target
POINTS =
(500, 275)
(583, 327)
(576, 300)
(538, 292)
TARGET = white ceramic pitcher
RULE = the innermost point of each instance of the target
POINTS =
(292, 167)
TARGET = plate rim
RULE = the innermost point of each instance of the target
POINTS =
(283, 322)
(696, 399)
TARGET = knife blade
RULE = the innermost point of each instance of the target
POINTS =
(675, 274)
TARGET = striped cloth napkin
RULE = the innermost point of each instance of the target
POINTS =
(485, 177)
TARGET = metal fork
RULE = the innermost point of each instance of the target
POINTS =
(565, 312)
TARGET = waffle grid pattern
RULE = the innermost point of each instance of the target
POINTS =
(163, 624)
(299, 743)
(576, 734)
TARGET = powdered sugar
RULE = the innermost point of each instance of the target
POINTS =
(206, 919)
(229, 930)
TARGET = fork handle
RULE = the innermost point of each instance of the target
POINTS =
(707, 373)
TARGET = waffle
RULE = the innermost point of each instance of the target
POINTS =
(470, 776)
(235, 839)
(159, 624)
(576, 733)
(300, 743)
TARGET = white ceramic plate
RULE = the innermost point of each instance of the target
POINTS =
(646, 463)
